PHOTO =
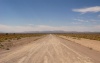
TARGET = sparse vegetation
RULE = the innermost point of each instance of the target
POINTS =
(6, 38)
(92, 36)
(11, 36)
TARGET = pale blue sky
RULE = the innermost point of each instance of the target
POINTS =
(50, 13)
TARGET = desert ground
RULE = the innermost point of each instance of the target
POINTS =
(50, 49)
(92, 44)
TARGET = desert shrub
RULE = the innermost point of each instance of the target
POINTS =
(18, 38)
(7, 49)
(1, 45)
(6, 38)
(6, 33)
(9, 40)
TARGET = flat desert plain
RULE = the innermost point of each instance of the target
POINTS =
(50, 49)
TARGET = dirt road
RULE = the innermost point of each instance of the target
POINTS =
(50, 49)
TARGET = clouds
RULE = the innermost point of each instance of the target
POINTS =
(85, 21)
(88, 9)
(7, 28)
(81, 20)
(88, 20)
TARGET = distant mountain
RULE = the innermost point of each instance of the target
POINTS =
(55, 31)
(58, 31)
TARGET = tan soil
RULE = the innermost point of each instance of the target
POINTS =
(50, 49)
(92, 44)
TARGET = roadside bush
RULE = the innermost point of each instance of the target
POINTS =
(1, 45)
(18, 38)
(7, 49)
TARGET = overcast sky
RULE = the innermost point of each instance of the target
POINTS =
(49, 15)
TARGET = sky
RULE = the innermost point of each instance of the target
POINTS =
(49, 15)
